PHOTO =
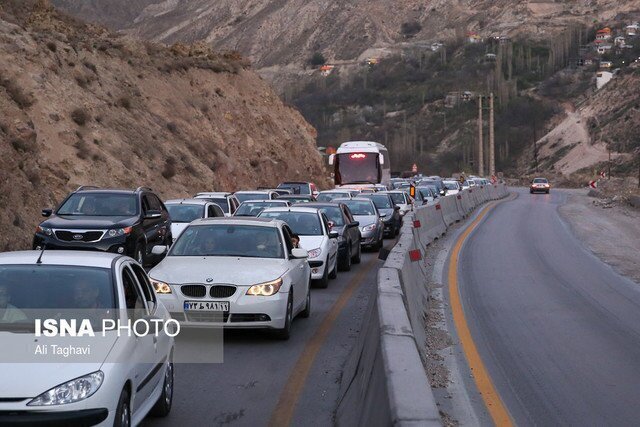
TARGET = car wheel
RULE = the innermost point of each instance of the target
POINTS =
(530, 191)
(392, 232)
(285, 333)
(123, 413)
(334, 272)
(324, 282)
(139, 254)
(345, 265)
(307, 308)
(380, 242)
(398, 227)
(163, 405)
(358, 256)
(547, 191)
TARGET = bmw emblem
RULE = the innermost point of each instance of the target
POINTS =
(209, 279)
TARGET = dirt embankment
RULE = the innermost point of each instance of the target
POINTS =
(82, 106)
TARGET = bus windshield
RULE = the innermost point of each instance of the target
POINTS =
(357, 168)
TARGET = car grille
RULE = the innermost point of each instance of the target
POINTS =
(246, 317)
(79, 236)
(194, 291)
(222, 291)
(210, 316)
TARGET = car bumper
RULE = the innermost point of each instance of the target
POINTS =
(245, 312)
(48, 418)
(369, 238)
(114, 245)
(540, 189)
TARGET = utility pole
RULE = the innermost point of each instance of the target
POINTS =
(492, 146)
(480, 142)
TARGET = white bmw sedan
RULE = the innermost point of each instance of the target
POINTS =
(312, 226)
(235, 273)
(71, 379)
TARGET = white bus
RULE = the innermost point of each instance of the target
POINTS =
(358, 163)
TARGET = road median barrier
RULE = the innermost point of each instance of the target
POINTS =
(450, 212)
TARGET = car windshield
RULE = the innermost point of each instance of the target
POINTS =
(222, 202)
(185, 213)
(243, 197)
(30, 291)
(334, 213)
(540, 181)
(297, 199)
(297, 188)
(398, 198)
(360, 207)
(381, 201)
(328, 197)
(451, 185)
(229, 240)
(425, 191)
(100, 204)
(254, 208)
(301, 223)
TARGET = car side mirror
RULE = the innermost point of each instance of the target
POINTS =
(396, 208)
(383, 215)
(299, 253)
(47, 212)
(334, 234)
(150, 214)
(159, 250)
(355, 224)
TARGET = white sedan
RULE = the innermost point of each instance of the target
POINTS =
(235, 273)
(107, 380)
(183, 211)
(312, 226)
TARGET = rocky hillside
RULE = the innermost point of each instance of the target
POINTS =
(81, 106)
(277, 32)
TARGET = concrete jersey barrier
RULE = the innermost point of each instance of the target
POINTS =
(450, 212)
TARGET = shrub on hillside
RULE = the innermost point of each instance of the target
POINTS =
(317, 59)
(80, 116)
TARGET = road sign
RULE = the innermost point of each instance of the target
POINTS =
(593, 184)
(603, 174)
(414, 168)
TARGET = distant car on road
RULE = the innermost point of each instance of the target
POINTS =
(245, 195)
(312, 226)
(392, 219)
(540, 185)
(370, 219)
(298, 198)
(133, 377)
(227, 201)
(300, 187)
(183, 211)
(342, 221)
(401, 199)
(254, 207)
(235, 273)
(429, 193)
(453, 187)
(330, 195)
(127, 222)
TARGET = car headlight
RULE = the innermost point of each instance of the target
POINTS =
(315, 253)
(160, 287)
(70, 392)
(116, 232)
(44, 230)
(265, 289)
(370, 227)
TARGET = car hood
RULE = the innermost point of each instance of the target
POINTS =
(365, 220)
(29, 380)
(311, 242)
(232, 270)
(90, 222)
(177, 228)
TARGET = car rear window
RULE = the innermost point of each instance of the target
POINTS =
(301, 223)
(360, 207)
(243, 197)
(397, 198)
(540, 181)
(184, 212)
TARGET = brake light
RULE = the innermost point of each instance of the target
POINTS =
(358, 156)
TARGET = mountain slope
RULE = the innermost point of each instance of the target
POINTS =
(278, 32)
(80, 106)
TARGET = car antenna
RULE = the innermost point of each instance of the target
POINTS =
(39, 261)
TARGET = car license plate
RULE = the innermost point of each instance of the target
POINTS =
(206, 306)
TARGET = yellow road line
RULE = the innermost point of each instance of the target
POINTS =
(491, 398)
(285, 408)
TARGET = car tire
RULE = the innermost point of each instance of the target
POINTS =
(380, 243)
(392, 232)
(138, 254)
(547, 191)
(334, 272)
(324, 282)
(398, 227)
(163, 405)
(285, 333)
(123, 411)
(358, 256)
(345, 264)
(530, 191)
(307, 308)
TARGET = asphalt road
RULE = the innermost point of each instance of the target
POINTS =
(247, 389)
(557, 329)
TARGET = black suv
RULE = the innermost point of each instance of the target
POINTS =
(129, 222)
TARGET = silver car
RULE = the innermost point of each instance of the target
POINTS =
(371, 220)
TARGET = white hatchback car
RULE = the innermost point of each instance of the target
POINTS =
(312, 226)
(183, 211)
(119, 381)
(235, 273)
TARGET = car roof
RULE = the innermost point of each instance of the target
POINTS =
(292, 209)
(236, 220)
(296, 196)
(354, 199)
(321, 204)
(254, 192)
(215, 194)
(265, 201)
(338, 190)
(187, 201)
(61, 257)
(295, 182)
